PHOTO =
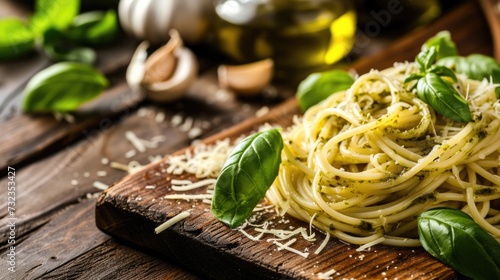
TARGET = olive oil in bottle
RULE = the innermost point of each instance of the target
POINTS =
(393, 15)
(301, 36)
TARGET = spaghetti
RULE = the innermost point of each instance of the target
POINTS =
(365, 162)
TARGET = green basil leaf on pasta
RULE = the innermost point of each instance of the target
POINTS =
(94, 28)
(443, 98)
(454, 238)
(443, 71)
(16, 39)
(426, 58)
(318, 86)
(444, 45)
(56, 14)
(63, 87)
(246, 176)
(475, 67)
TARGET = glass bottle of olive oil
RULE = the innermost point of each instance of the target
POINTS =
(396, 14)
(301, 36)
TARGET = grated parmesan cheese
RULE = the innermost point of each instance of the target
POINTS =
(119, 166)
(327, 274)
(323, 244)
(369, 244)
(172, 221)
(130, 154)
(290, 249)
(135, 141)
(160, 117)
(188, 197)
(187, 185)
(100, 185)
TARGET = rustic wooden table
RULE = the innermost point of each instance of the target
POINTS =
(57, 163)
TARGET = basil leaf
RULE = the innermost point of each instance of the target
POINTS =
(443, 71)
(50, 13)
(443, 43)
(62, 87)
(475, 66)
(246, 176)
(16, 39)
(58, 48)
(95, 28)
(443, 98)
(453, 237)
(426, 58)
(318, 86)
(413, 77)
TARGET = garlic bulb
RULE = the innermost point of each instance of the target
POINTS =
(151, 20)
(166, 74)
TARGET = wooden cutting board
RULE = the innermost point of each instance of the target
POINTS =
(129, 212)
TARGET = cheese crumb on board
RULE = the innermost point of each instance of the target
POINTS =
(100, 185)
(327, 274)
(172, 221)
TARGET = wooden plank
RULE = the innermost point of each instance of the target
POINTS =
(70, 173)
(65, 178)
(130, 212)
(70, 247)
(34, 260)
(112, 260)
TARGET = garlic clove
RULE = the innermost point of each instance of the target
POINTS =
(176, 86)
(247, 79)
(137, 68)
(161, 64)
(161, 87)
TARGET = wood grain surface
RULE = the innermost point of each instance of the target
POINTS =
(130, 212)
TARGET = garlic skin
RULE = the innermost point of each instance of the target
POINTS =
(166, 74)
(178, 84)
(246, 79)
(151, 20)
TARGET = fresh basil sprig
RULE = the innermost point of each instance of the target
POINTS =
(443, 43)
(246, 176)
(60, 29)
(434, 90)
(63, 87)
(443, 97)
(318, 86)
(475, 67)
(58, 48)
(94, 28)
(453, 237)
(53, 14)
(16, 39)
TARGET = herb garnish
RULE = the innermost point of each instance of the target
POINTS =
(62, 87)
(319, 86)
(453, 237)
(246, 176)
(19, 41)
(475, 67)
(60, 30)
(439, 56)
(63, 35)
(435, 90)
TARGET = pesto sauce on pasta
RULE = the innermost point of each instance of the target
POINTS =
(364, 162)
